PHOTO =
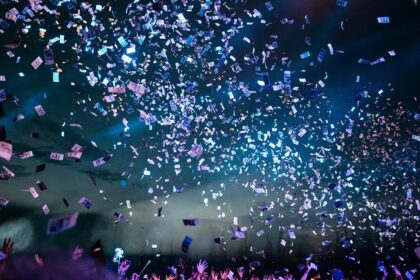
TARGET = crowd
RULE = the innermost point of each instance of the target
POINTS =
(94, 267)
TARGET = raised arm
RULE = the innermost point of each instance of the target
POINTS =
(6, 250)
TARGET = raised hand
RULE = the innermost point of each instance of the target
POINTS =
(39, 260)
(170, 277)
(7, 248)
(135, 276)
(385, 272)
(224, 274)
(77, 253)
(181, 264)
(241, 271)
(396, 271)
(213, 275)
(308, 266)
(123, 267)
(202, 276)
(155, 277)
(201, 266)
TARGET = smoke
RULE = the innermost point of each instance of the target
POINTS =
(20, 231)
